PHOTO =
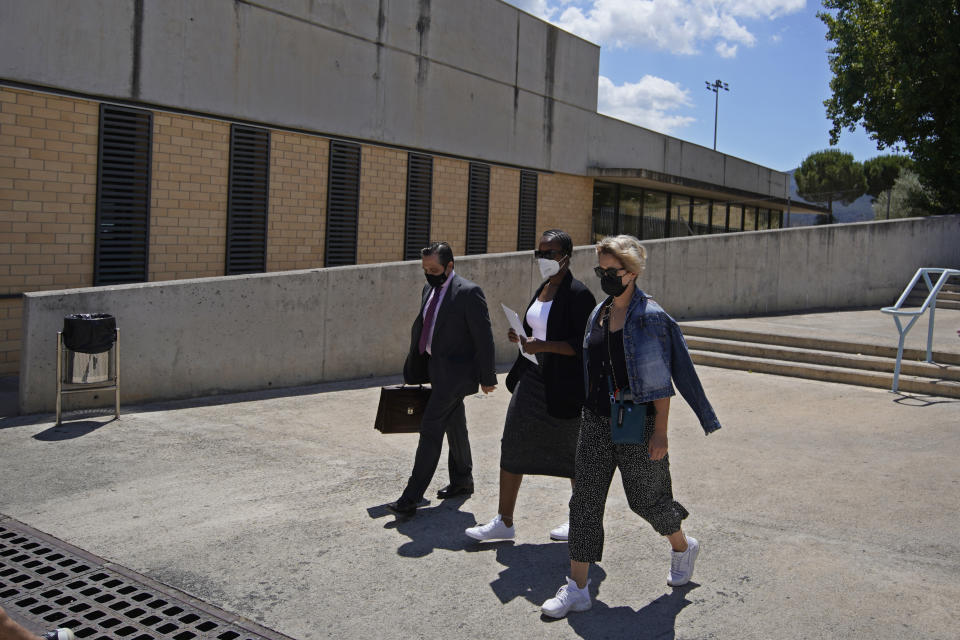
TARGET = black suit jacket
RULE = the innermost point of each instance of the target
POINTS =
(567, 322)
(462, 348)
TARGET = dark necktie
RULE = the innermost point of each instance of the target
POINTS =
(428, 319)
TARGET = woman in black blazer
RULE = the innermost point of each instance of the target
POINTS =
(543, 421)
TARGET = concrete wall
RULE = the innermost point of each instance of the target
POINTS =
(614, 144)
(197, 337)
(792, 270)
(475, 78)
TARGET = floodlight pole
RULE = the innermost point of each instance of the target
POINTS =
(716, 87)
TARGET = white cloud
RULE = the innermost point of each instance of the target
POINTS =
(771, 9)
(647, 103)
(726, 50)
(677, 26)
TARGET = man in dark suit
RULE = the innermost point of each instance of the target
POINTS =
(451, 346)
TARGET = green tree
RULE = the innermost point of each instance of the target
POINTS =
(906, 199)
(895, 72)
(881, 173)
(828, 176)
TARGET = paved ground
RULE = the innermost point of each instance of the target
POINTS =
(824, 510)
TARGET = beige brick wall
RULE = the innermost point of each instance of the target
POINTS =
(11, 310)
(188, 203)
(48, 171)
(566, 202)
(448, 217)
(383, 198)
(48, 185)
(48, 189)
(298, 201)
(504, 210)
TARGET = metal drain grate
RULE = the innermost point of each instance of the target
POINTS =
(56, 585)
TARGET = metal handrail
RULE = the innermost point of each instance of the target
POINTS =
(929, 303)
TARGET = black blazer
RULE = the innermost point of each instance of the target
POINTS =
(462, 348)
(567, 322)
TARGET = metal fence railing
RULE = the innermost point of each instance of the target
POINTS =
(930, 302)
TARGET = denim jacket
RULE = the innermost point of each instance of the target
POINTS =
(655, 352)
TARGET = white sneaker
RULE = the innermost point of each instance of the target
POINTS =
(560, 533)
(681, 563)
(570, 597)
(493, 530)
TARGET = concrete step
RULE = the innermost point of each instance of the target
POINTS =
(947, 291)
(819, 344)
(824, 357)
(941, 304)
(913, 384)
(943, 296)
(944, 300)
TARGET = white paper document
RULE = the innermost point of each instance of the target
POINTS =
(517, 327)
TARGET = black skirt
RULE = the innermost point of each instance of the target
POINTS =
(533, 441)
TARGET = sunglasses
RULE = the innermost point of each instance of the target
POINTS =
(610, 272)
(549, 254)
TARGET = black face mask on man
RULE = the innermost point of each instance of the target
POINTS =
(436, 280)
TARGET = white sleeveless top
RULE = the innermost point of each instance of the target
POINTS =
(537, 316)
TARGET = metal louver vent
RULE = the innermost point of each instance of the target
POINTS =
(123, 196)
(343, 202)
(247, 200)
(527, 217)
(478, 208)
(419, 202)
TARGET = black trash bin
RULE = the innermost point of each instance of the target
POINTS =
(89, 332)
(88, 337)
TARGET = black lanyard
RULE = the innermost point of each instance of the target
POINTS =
(615, 386)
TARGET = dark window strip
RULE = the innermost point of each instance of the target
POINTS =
(527, 212)
(419, 204)
(478, 208)
(121, 245)
(343, 200)
(248, 200)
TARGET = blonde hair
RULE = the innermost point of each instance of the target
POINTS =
(627, 249)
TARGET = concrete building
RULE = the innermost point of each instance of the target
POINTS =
(144, 141)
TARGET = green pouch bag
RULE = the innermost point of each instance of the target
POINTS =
(628, 420)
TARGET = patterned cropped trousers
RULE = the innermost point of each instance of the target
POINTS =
(646, 483)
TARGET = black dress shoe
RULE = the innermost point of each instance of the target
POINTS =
(402, 508)
(453, 490)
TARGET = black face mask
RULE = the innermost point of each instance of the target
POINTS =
(612, 285)
(436, 280)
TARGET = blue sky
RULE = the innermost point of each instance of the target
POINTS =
(656, 55)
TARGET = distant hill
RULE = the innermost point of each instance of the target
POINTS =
(858, 211)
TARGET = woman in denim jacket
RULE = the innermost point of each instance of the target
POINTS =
(631, 348)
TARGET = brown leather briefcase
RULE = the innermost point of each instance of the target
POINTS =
(401, 408)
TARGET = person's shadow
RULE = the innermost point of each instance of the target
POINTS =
(533, 571)
(536, 571)
(433, 527)
(655, 621)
